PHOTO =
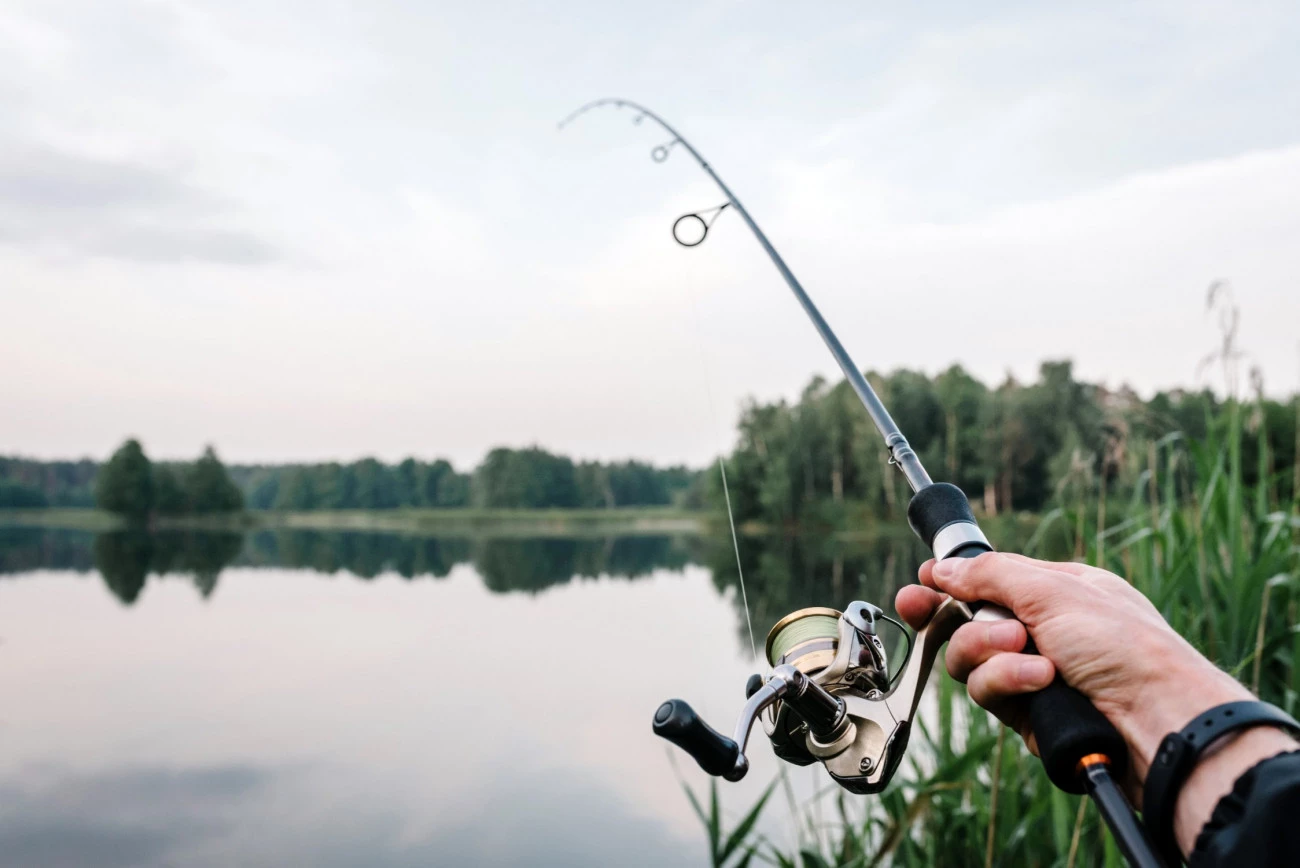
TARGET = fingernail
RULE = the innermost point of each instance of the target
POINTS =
(1003, 633)
(1036, 672)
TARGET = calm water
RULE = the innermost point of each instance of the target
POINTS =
(295, 698)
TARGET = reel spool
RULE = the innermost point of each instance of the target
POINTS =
(806, 639)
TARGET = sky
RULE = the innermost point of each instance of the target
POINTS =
(324, 230)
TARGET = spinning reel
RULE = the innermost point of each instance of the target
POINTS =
(828, 699)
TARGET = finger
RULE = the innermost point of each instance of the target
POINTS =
(976, 642)
(995, 577)
(926, 573)
(1008, 675)
(1072, 567)
(915, 604)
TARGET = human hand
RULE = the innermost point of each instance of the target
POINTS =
(1104, 638)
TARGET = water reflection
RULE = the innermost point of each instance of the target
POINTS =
(364, 555)
(275, 718)
(126, 559)
(119, 817)
(782, 573)
(24, 549)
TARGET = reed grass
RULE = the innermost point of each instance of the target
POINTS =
(1221, 561)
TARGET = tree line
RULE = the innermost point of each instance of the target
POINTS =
(531, 478)
(1014, 446)
(813, 461)
(30, 484)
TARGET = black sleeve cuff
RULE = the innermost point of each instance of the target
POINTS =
(1256, 823)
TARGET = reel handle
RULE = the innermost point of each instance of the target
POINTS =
(1067, 726)
(716, 754)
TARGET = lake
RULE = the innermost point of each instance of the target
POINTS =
(312, 698)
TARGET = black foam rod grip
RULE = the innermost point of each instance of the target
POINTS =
(1066, 725)
(678, 722)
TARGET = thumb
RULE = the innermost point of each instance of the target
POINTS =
(994, 577)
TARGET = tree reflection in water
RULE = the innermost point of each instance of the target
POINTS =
(126, 559)
(787, 573)
(782, 573)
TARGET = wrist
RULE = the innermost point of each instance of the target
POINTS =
(1217, 772)
(1176, 695)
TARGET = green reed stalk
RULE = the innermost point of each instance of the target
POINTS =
(1217, 556)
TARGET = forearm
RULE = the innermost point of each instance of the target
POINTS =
(1215, 774)
(1182, 688)
(1173, 698)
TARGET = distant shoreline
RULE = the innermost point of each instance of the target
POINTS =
(485, 523)
(466, 522)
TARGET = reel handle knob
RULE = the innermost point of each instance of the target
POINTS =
(715, 753)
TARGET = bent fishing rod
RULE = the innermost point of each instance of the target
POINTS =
(829, 697)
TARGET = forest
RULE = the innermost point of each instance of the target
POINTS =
(814, 462)
(1012, 447)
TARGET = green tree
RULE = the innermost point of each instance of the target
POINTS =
(453, 487)
(263, 489)
(525, 479)
(125, 483)
(16, 496)
(406, 483)
(208, 487)
(375, 486)
(635, 483)
(169, 494)
(963, 399)
(297, 491)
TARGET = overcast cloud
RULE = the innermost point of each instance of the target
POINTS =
(315, 230)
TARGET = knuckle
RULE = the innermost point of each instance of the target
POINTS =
(991, 681)
(979, 689)
(956, 667)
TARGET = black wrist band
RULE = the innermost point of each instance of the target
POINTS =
(1178, 754)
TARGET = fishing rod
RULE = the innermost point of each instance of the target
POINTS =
(829, 697)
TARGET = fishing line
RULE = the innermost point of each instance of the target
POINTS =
(722, 471)
(735, 544)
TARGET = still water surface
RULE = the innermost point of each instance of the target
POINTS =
(310, 698)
